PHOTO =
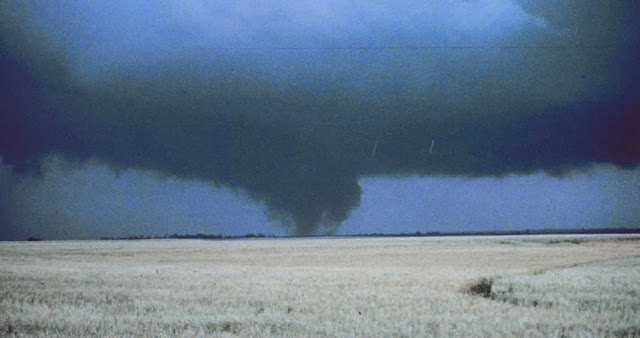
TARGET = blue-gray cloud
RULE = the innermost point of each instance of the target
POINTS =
(287, 102)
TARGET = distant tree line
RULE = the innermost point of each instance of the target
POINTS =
(188, 236)
(582, 231)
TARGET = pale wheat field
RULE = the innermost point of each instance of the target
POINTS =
(541, 286)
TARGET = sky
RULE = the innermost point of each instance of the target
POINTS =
(127, 118)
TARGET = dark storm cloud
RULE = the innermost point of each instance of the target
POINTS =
(530, 89)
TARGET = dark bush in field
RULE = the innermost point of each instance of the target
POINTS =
(481, 288)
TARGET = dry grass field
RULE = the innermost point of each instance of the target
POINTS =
(520, 286)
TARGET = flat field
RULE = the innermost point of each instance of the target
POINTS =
(520, 286)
